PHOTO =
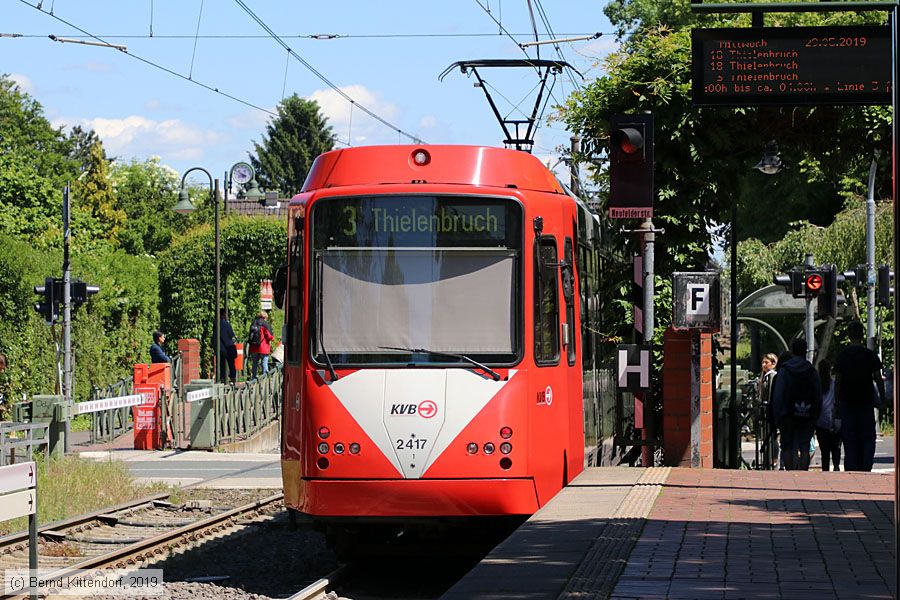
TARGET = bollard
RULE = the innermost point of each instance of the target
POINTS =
(51, 409)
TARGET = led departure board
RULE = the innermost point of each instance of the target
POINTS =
(786, 66)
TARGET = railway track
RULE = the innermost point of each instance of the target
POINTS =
(130, 535)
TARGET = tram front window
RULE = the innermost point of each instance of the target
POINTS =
(425, 272)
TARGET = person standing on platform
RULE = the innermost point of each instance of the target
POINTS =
(764, 393)
(797, 404)
(827, 426)
(858, 383)
(157, 354)
(260, 338)
(228, 349)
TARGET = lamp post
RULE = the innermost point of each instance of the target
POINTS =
(185, 206)
(769, 164)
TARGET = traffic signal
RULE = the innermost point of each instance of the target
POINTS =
(813, 282)
(792, 282)
(884, 291)
(81, 292)
(829, 300)
(49, 306)
(631, 163)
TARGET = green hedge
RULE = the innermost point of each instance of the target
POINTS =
(250, 250)
(109, 334)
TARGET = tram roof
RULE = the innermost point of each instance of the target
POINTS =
(462, 165)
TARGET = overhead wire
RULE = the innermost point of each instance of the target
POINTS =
(322, 77)
(153, 64)
(556, 46)
(300, 36)
(194, 53)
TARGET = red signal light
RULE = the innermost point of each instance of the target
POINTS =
(814, 282)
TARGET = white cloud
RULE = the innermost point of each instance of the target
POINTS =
(23, 81)
(428, 122)
(354, 124)
(139, 136)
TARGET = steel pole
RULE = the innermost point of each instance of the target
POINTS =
(895, 166)
(216, 329)
(810, 318)
(68, 376)
(734, 426)
(647, 433)
(870, 260)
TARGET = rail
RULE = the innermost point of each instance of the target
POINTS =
(18, 441)
(246, 408)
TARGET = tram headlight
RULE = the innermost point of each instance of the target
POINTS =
(324, 432)
(323, 448)
(489, 448)
(322, 463)
(506, 432)
(505, 463)
(354, 448)
(505, 448)
(338, 448)
(421, 157)
(472, 448)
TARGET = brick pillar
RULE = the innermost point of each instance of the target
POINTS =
(677, 398)
(190, 360)
(687, 399)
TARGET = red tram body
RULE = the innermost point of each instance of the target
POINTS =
(435, 313)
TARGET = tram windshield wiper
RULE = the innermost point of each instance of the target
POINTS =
(494, 374)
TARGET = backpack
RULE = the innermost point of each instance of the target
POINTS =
(255, 337)
(800, 399)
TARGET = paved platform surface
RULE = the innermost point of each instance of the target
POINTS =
(699, 534)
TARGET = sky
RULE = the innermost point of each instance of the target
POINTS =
(387, 58)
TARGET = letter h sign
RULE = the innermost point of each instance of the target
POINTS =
(633, 368)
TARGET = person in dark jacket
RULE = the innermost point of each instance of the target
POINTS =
(227, 348)
(857, 381)
(157, 354)
(797, 402)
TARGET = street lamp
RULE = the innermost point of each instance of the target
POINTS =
(184, 206)
(769, 164)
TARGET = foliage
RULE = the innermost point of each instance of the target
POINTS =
(110, 332)
(147, 191)
(292, 141)
(93, 194)
(251, 249)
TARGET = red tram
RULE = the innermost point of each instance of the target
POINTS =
(437, 309)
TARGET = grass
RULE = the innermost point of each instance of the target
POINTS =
(73, 486)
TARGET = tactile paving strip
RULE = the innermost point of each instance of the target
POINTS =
(601, 567)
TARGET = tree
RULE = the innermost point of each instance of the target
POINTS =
(292, 141)
(95, 212)
(147, 191)
(82, 141)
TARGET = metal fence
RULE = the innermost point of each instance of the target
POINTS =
(245, 409)
(19, 441)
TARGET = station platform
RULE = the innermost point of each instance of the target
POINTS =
(698, 534)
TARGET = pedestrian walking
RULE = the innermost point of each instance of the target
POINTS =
(797, 400)
(827, 427)
(157, 353)
(228, 349)
(260, 338)
(858, 388)
(764, 393)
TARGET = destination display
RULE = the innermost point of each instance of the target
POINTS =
(787, 66)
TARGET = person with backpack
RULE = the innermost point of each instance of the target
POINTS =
(827, 426)
(797, 402)
(260, 338)
(858, 386)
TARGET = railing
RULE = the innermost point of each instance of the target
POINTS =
(174, 425)
(18, 441)
(247, 408)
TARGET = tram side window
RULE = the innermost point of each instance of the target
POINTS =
(546, 304)
(568, 275)
(294, 308)
(584, 268)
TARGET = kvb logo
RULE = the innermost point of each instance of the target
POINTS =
(403, 409)
(427, 409)
(546, 396)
